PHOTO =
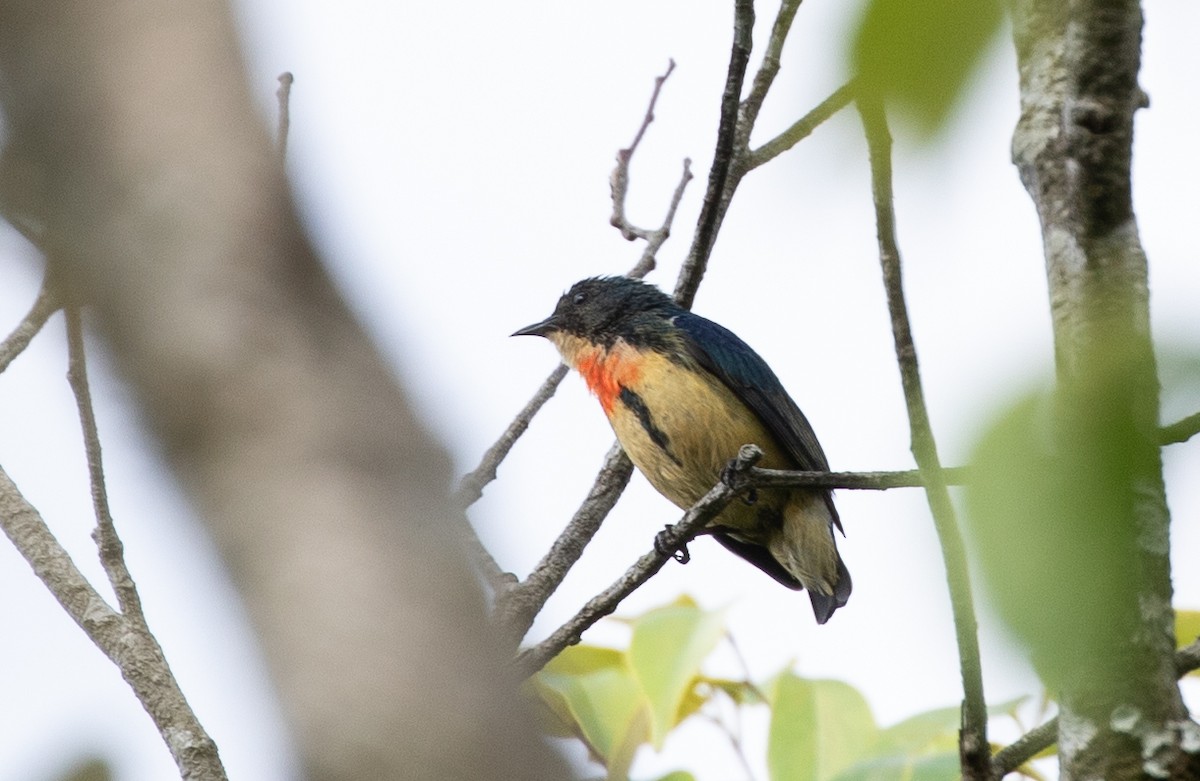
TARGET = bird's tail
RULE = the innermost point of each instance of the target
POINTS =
(823, 605)
(806, 548)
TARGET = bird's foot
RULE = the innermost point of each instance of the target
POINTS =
(735, 474)
(662, 544)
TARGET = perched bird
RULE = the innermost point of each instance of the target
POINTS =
(683, 394)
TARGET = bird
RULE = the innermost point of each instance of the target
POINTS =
(683, 394)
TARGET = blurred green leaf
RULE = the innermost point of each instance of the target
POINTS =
(593, 690)
(931, 731)
(818, 728)
(937, 767)
(741, 692)
(921, 53)
(668, 646)
(1050, 513)
(1187, 629)
(678, 775)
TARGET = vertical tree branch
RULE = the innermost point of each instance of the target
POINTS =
(973, 744)
(112, 552)
(720, 184)
(284, 97)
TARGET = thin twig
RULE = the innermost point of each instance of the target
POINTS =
(734, 734)
(112, 551)
(472, 485)
(618, 182)
(619, 186)
(519, 605)
(15, 343)
(973, 744)
(801, 128)
(1029, 745)
(769, 68)
(865, 481)
(667, 542)
(284, 98)
(737, 653)
(1179, 431)
(716, 197)
(656, 238)
(470, 488)
(133, 650)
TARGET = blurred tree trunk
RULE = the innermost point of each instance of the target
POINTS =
(1121, 712)
(136, 160)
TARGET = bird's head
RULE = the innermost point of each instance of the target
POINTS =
(601, 310)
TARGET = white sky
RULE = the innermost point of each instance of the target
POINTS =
(452, 161)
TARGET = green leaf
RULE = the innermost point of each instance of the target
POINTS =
(931, 731)
(937, 767)
(921, 53)
(1050, 514)
(1187, 629)
(668, 646)
(594, 690)
(741, 692)
(818, 728)
(678, 775)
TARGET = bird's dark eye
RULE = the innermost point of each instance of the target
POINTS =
(579, 298)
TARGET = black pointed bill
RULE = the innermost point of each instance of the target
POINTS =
(543, 328)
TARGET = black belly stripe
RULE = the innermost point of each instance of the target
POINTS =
(638, 407)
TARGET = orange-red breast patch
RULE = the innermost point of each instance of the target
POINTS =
(607, 371)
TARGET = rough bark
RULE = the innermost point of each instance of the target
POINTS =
(137, 161)
(1121, 713)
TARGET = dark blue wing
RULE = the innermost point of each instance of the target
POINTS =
(731, 360)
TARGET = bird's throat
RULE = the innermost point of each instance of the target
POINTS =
(605, 370)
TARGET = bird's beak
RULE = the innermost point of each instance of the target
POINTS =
(539, 329)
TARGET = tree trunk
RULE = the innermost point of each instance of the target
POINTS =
(1121, 712)
(137, 160)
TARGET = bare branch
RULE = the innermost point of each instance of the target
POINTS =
(1179, 431)
(655, 239)
(112, 552)
(519, 605)
(867, 481)
(284, 96)
(619, 185)
(472, 485)
(672, 539)
(15, 343)
(769, 68)
(619, 180)
(801, 128)
(134, 650)
(973, 744)
(1029, 745)
(470, 489)
(720, 183)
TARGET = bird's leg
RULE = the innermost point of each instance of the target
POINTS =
(663, 546)
(734, 473)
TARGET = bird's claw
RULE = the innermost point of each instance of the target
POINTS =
(664, 548)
